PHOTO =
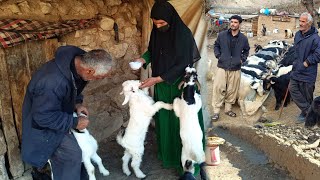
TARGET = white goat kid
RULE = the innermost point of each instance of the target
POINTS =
(142, 108)
(187, 108)
(89, 147)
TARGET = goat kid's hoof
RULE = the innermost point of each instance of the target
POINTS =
(105, 172)
(128, 173)
(141, 176)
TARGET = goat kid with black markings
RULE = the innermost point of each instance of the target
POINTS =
(188, 171)
(89, 147)
(313, 115)
(142, 109)
(186, 108)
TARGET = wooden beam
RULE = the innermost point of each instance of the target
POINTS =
(7, 119)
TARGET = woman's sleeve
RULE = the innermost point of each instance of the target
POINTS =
(147, 57)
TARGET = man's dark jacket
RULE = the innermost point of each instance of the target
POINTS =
(307, 48)
(230, 58)
(48, 106)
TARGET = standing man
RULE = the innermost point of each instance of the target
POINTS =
(53, 94)
(231, 49)
(304, 71)
(264, 30)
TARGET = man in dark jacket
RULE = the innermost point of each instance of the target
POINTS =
(53, 94)
(231, 49)
(304, 71)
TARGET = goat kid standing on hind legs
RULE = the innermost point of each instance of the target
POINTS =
(186, 108)
(171, 49)
(142, 109)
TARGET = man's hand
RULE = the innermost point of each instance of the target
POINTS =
(81, 109)
(83, 122)
(305, 64)
(151, 81)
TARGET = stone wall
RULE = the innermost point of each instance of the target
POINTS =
(101, 97)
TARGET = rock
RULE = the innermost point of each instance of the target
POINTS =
(113, 10)
(3, 170)
(78, 34)
(129, 31)
(119, 50)
(107, 23)
(121, 22)
(121, 36)
(113, 2)
(104, 35)
(305, 137)
(93, 45)
(105, 117)
(24, 6)
(46, 8)
(115, 95)
(63, 10)
(87, 40)
(14, 9)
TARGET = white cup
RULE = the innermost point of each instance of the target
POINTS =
(135, 65)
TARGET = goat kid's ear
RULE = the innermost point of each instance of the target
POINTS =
(126, 100)
(121, 92)
(181, 83)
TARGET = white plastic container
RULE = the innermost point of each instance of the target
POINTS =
(213, 151)
(213, 155)
(135, 65)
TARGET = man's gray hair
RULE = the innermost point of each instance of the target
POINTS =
(98, 59)
(310, 19)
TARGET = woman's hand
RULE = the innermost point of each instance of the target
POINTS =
(151, 81)
(140, 60)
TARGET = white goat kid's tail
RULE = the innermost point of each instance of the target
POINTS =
(89, 147)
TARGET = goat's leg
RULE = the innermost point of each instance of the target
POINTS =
(135, 164)
(96, 158)
(201, 157)
(184, 158)
(287, 100)
(159, 105)
(203, 173)
(125, 163)
(278, 99)
(89, 167)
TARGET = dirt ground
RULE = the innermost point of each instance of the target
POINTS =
(111, 153)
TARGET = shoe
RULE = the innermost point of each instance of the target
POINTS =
(215, 117)
(301, 118)
(231, 114)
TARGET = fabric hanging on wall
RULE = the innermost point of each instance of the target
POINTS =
(16, 31)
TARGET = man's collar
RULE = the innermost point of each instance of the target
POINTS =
(310, 31)
(73, 70)
(237, 35)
